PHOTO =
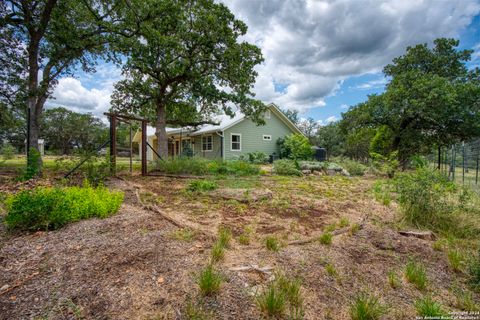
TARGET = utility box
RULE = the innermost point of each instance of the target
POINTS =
(319, 154)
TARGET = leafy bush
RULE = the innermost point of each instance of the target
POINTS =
(416, 274)
(295, 146)
(7, 151)
(51, 208)
(367, 307)
(427, 307)
(385, 165)
(209, 280)
(353, 167)
(201, 186)
(286, 167)
(257, 157)
(429, 200)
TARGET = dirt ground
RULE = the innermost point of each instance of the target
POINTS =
(142, 262)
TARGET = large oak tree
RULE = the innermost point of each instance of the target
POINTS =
(49, 39)
(187, 64)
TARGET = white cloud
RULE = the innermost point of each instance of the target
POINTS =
(331, 119)
(311, 46)
(378, 83)
(344, 106)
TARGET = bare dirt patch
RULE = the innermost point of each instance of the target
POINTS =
(139, 265)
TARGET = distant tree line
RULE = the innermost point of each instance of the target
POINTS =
(432, 101)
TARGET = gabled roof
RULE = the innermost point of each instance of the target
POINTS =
(225, 122)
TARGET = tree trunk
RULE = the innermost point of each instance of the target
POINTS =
(33, 105)
(161, 132)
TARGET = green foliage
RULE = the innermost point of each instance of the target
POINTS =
(281, 294)
(34, 165)
(95, 170)
(311, 165)
(51, 208)
(357, 143)
(416, 274)
(455, 259)
(474, 272)
(218, 251)
(353, 167)
(224, 236)
(367, 307)
(429, 200)
(385, 165)
(286, 167)
(427, 307)
(271, 301)
(201, 186)
(257, 157)
(326, 238)
(200, 166)
(331, 270)
(195, 311)
(296, 147)
(7, 151)
(209, 280)
(187, 56)
(382, 141)
(272, 243)
(331, 138)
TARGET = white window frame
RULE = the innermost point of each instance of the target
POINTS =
(231, 141)
(267, 137)
(203, 144)
(268, 114)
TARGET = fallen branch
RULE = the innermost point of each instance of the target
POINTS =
(425, 235)
(253, 267)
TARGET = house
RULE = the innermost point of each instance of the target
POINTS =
(230, 139)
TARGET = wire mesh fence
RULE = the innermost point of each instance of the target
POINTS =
(460, 163)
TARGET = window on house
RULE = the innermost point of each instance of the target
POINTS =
(267, 137)
(267, 114)
(236, 142)
(207, 143)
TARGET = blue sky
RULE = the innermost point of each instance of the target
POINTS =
(321, 56)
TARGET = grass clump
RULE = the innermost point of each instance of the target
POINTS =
(331, 270)
(51, 208)
(455, 260)
(195, 311)
(209, 280)
(184, 234)
(285, 167)
(272, 243)
(283, 294)
(367, 307)
(224, 236)
(427, 307)
(326, 238)
(416, 274)
(200, 166)
(201, 186)
(393, 280)
(218, 252)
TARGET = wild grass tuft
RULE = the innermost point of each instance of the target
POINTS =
(393, 280)
(331, 270)
(326, 238)
(367, 307)
(195, 311)
(474, 273)
(218, 251)
(455, 259)
(224, 236)
(201, 186)
(416, 274)
(283, 294)
(184, 234)
(209, 280)
(427, 307)
(272, 243)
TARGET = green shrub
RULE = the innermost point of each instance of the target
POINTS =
(209, 281)
(295, 146)
(7, 151)
(201, 186)
(429, 200)
(257, 157)
(416, 274)
(367, 307)
(51, 208)
(427, 307)
(286, 168)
